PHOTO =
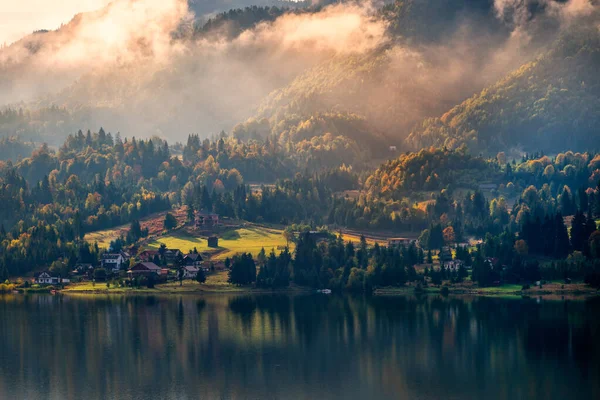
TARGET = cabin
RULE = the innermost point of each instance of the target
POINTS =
(213, 241)
(207, 219)
(112, 261)
(403, 242)
(45, 278)
(148, 255)
(82, 268)
(190, 272)
(144, 269)
(192, 260)
(172, 254)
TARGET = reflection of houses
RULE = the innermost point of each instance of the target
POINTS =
(192, 260)
(144, 269)
(112, 261)
(213, 241)
(190, 272)
(404, 242)
(207, 219)
(45, 278)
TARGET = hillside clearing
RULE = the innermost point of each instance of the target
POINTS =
(247, 239)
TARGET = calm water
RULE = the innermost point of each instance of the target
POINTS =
(303, 347)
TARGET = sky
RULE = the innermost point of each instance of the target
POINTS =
(21, 17)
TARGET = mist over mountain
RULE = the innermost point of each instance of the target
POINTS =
(174, 67)
(547, 104)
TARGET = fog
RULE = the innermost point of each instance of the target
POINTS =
(123, 67)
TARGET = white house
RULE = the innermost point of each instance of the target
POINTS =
(453, 265)
(190, 272)
(45, 278)
(113, 262)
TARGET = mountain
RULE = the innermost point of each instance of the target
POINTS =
(548, 104)
(416, 73)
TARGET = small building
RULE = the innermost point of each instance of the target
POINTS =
(190, 272)
(144, 269)
(112, 261)
(172, 254)
(213, 241)
(393, 148)
(83, 270)
(148, 255)
(45, 278)
(125, 254)
(192, 260)
(207, 219)
(404, 242)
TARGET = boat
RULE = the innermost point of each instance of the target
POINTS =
(324, 291)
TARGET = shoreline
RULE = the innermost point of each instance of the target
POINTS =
(576, 292)
(492, 292)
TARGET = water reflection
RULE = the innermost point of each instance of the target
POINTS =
(302, 347)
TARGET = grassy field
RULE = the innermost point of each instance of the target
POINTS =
(248, 239)
(215, 283)
(103, 238)
(154, 224)
(349, 237)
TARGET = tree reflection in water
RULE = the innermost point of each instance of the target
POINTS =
(305, 346)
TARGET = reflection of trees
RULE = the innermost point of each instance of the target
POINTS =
(238, 346)
(243, 307)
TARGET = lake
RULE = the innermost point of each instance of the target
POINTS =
(297, 347)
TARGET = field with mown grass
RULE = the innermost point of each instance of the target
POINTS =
(153, 222)
(247, 239)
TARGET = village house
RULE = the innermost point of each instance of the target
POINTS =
(190, 272)
(207, 219)
(112, 261)
(148, 255)
(45, 278)
(192, 260)
(83, 269)
(172, 254)
(144, 269)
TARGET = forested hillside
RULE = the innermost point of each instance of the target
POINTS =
(431, 170)
(550, 104)
(436, 54)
